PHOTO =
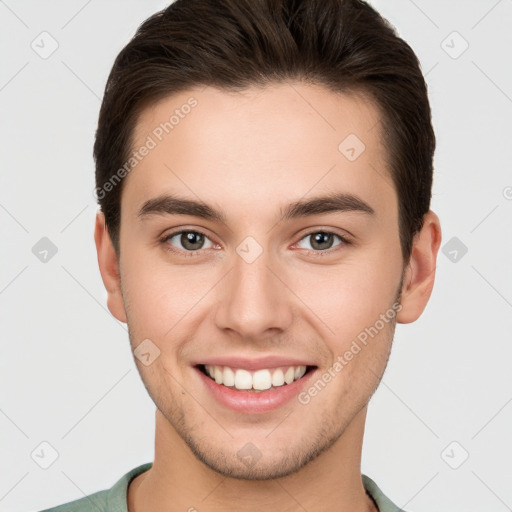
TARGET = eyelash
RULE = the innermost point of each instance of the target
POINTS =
(189, 254)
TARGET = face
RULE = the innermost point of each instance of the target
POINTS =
(255, 279)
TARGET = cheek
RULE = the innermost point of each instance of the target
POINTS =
(161, 296)
(350, 296)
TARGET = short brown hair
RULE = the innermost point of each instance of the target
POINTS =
(344, 45)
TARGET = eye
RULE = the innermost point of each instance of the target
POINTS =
(191, 242)
(188, 241)
(322, 241)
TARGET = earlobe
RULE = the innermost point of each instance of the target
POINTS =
(419, 276)
(109, 268)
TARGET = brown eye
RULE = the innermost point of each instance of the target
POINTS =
(189, 240)
(322, 240)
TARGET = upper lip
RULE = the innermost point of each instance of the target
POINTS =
(254, 363)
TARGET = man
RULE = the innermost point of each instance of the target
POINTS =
(264, 171)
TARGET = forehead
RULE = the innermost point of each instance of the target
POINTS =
(282, 141)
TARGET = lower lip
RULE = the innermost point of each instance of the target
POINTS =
(251, 402)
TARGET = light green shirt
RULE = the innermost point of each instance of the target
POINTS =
(114, 499)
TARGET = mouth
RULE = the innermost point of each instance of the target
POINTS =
(255, 381)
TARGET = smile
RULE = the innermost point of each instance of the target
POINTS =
(254, 391)
(259, 380)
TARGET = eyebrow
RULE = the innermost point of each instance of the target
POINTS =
(331, 203)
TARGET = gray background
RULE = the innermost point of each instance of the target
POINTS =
(68, 378)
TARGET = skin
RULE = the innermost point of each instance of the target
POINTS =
(249, 154)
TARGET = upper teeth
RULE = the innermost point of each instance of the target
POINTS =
(260, 379)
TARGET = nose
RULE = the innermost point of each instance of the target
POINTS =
(255, 302)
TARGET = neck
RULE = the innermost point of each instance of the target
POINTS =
(178, 481)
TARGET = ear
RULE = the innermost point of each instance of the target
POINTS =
(420, 272)
(109, 268)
